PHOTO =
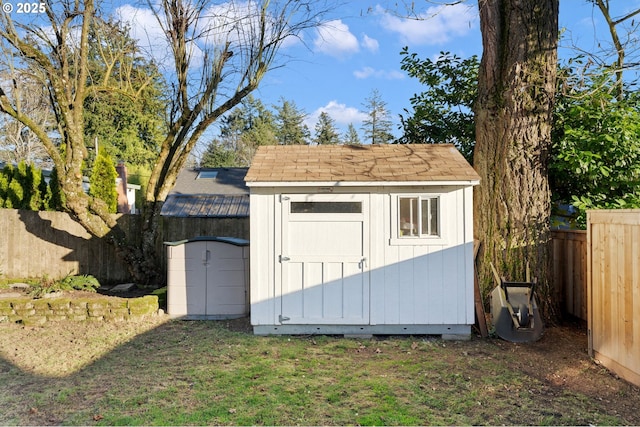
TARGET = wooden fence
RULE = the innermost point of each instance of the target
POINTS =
(34, 244)
(569, 270)
(613, 277)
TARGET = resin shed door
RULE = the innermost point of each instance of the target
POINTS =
(207, 278)
(324, 259)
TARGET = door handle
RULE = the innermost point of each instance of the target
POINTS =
(206, 256)
(362, 263)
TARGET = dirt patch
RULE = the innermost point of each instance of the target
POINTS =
(560, 360)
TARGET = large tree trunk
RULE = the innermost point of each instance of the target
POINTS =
(513, 135)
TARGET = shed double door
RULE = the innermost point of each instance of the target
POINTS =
(207, 278)
(323, 261)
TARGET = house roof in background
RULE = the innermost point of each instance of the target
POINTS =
(399, 163)
(209, 192)
(226, 181)
(206, 205)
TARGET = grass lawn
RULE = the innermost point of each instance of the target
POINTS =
(161, 372)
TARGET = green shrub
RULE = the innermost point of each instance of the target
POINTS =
(69, 283)
(103, 181)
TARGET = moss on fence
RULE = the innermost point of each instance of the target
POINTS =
(34, 312)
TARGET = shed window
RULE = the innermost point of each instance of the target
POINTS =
(418, 216)
(326, 207)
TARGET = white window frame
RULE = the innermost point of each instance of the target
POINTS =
(421, 239)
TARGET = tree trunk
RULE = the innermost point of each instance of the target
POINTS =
(513, 135)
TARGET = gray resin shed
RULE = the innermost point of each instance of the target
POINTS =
(208, 278)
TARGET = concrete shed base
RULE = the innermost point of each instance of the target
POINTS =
(450, 332)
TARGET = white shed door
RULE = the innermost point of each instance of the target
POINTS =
(325, 241)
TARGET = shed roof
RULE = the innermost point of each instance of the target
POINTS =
(360, 164)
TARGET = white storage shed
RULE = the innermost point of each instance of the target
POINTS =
(208, 278)
(371, 239)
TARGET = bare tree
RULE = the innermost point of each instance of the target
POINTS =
(220, 53)
(620, 45)
(17, 142)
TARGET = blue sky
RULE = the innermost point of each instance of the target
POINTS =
(335, 67)
(360, 52)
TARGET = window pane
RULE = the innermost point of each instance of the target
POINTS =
(408, 219)
(434, 217)
(424, 216)
(326, 207)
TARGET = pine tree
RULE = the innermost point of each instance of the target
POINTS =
(5, 177)
(218, 156)
(103, 181)
(56, 199)
(33, 195)
(351, 137)
(326, 131)
(290, 120)
(377, 127)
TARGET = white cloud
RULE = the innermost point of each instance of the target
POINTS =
(437, 25)
(370, 44)
(366, 72)
(145, 28)
(340, 113)
(334, 39)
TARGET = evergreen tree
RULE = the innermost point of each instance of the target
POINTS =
(15, 194)
(103, 181)
(377, 127)
(23, 187)
(326, 132)
(351, 137)
(248, 126)
(290, 121)
(5, 175)
(45, 193)
(245, 128)
(218, 156)
(33, 197)
(56, 200)
(128, 125)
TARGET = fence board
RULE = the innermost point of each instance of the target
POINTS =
(613, 238)
(569, 270)
(34, 244)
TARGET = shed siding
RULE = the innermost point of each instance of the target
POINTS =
(410, 284)
(426, 284)
(263, 263)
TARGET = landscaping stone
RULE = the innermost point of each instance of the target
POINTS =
(59, 305)
(51, 295)
(36, 312)
(118, 303)
(123, 287)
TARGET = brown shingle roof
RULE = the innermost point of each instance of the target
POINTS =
(359, 163)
